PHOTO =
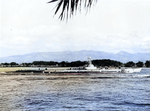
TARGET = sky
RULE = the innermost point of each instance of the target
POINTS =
(29, 26)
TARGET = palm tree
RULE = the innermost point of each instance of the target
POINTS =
(71, 6)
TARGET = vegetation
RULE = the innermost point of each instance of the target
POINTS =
(72, 64)
(139, 64)
(130, 64)
(44, 63)
(147, 63)
(69, 7)
(98, 63)
(107, 62)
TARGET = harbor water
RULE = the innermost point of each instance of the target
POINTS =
(86, 92)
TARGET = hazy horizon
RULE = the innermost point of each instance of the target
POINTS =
(71, 51)
(110, 26)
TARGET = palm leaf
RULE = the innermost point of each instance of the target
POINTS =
(68, 7)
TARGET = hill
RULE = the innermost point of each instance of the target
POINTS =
(76, 55)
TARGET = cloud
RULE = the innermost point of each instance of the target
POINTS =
(111, 25)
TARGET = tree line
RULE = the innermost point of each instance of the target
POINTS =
(98, 63)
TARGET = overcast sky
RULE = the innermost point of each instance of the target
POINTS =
(111, 25)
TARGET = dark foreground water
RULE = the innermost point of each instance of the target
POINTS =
(94, 92)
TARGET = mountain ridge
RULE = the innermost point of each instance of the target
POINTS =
(82, 55)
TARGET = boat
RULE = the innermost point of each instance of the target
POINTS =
(90, 68)
(132, 70)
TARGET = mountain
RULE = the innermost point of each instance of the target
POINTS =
(76, 55)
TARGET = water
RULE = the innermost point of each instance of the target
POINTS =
(93, 92)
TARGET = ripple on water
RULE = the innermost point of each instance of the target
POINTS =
(89, 92)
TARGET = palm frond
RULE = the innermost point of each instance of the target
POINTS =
(68, 7)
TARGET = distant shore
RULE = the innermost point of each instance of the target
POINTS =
(12, 70)
(52, 70)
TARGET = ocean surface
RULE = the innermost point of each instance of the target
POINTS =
(87, 92)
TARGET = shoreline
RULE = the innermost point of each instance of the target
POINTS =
(50, 71)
